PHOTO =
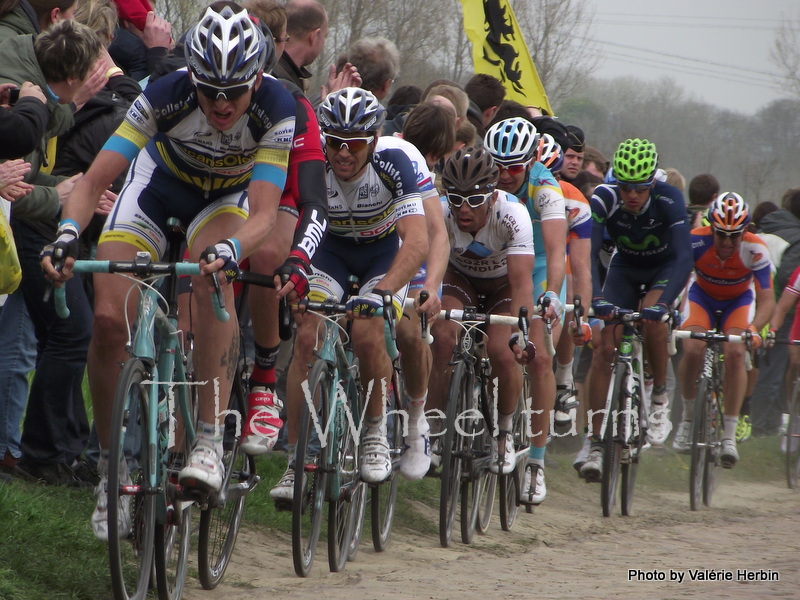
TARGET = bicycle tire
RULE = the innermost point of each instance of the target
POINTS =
(343, 481)
(219, 525)
(383, 496)
(360, 497)
(459, 390)
(510, 485)
(131, 556)
(476, 469)
(172, 544)
(629, 468)
(714, 430)
(310, 482)
(611, 443)
(792, 439)
(699, 445)
(486, 503)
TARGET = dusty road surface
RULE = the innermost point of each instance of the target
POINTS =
(566, 549)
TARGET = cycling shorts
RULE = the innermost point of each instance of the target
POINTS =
(151, 196)
(487, 295)
(339, 258)
(623, 282)
(735, 312)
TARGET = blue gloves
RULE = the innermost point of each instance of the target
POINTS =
(657, 312)
(602, 308)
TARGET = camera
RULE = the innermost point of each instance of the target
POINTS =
(13, 96)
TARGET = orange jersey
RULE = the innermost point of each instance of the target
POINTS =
(728, 279)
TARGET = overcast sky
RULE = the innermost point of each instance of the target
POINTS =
(718, 50)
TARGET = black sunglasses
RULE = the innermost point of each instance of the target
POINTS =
(232, 93)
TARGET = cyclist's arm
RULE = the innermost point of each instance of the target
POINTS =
(263, 197)
(554, 233)
(680, 240)
(765, 305)
(579, 260)
(520, 267)
(788, 299)
(439, 252)
(598, 231)
(413, 232)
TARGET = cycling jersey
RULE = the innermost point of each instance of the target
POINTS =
(184, 168)
(424, 182)
(508, 231)
(727, 279)
(656, 240)
(168, 123)
(366, 209)
(579, 213)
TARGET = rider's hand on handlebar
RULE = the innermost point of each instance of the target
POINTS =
(362, 307)
(580, 336)
(755, 338)
(522, 355)
(555, 310)
(221, 257)
(656, 312)
(770, 341)
(293, 277)
(431, 306)
(57, 258)
(602, 308)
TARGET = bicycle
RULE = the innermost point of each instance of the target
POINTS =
(624, 426)
(328, 461)
(156, 391)
(465, 464)
(707, 425)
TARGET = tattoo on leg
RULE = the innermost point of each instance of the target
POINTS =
(231, 357)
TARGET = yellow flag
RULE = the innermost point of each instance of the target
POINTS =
(498, 49)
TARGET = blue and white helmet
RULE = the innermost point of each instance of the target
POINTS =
(351, 110)
(225, 48)
(511, 141)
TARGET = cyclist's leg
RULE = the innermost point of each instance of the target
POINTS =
(656, 355)
(415, 356)
(734, 384)
(217, 344)
(263, 423)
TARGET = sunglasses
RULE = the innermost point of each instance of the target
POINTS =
(232, 93)
(728, 235)
(354, 144)
(473, 201)
(514, 169)
(634, 187)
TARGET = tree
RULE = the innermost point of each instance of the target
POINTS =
(558, 36)
(785, 53)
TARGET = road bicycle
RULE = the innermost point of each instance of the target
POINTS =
(469, 424)
(624, 427)
(152, 431)
(328, 458)
(791, 438)
(707, 425)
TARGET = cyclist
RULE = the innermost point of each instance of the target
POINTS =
(515, 144)
(727, 259)
(301, 225)
(491, 258)
(647, 221)
(209, 145)
(373, 205)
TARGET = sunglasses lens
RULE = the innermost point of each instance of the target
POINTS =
(354, 145)
(512, 169)
(231, 93)
(474, 201)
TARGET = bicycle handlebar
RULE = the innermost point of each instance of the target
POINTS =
(142, 266)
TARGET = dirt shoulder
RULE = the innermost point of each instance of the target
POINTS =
(566, 549)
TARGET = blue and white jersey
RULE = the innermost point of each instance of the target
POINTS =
(167, 121)
(424, 175)
(367, 208)
(508, 231)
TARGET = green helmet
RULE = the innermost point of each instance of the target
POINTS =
(635, 160)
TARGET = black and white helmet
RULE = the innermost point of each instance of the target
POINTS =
(351, 110)
(512, 141)
(470, 169)
(225, 48)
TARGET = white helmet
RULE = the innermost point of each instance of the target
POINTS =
(513, 140)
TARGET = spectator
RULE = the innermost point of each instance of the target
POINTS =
(509, 109)
(703, 189)
(378, 63)
(573, 154)
(487, 93)
(63, 59)
(675, 178)
(139, 51)
(307, 28)
(457, 97)
(399, 105)
(595, 162)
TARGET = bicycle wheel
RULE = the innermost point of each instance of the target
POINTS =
(459, 393)
(630, 454)
(172, 539)
(611, 442)
(383, 496)
(221, 519)
(360, 502)
(131, 554)
(475, 467)
(311, 479)
(700, 440)
(792, 438)
(510, 484)
(343, 481)
(714, 430)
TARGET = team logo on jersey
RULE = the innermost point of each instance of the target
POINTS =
(645, 244)
(757, 256)
(363, 192)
